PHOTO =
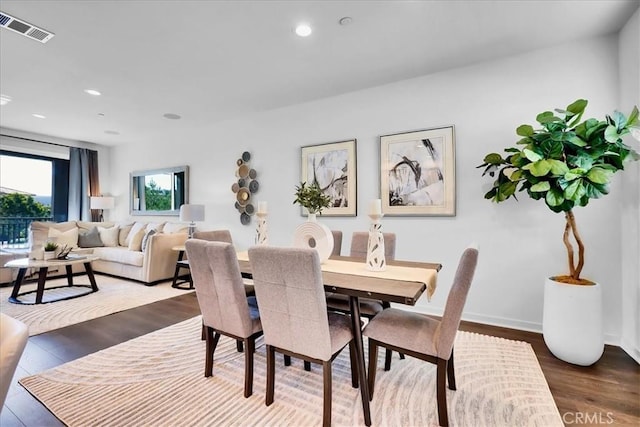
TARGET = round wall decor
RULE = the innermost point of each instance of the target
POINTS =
(244, 188)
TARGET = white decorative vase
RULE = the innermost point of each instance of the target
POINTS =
(375, 246)
(572, 322)
(314, 235)
(49, 255)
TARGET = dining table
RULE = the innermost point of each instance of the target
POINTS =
(401, 282)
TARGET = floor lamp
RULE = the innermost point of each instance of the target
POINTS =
(101, 203)
(191, 214)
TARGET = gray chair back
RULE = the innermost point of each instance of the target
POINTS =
(337, 242)
(445, 336)
(13, 339)
(214, 236)
(360, 240)
(290, 293)
(219, 287)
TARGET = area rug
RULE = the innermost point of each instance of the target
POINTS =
(115, 295)
(158, 380)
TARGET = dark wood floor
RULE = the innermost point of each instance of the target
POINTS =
(606, 393)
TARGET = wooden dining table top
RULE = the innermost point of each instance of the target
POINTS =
(401, 282)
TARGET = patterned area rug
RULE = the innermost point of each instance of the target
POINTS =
(158, 379)
(115, 295)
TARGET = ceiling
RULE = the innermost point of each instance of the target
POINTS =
(210, 61)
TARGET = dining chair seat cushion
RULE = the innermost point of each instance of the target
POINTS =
(368, 307)
(339, 330)
(404, 329)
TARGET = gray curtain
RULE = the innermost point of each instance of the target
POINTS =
(83, 183)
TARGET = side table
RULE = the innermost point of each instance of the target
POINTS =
(181, 264)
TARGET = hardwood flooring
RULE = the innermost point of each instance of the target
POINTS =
(607, 393)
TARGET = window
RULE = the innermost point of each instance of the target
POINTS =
(32, 188)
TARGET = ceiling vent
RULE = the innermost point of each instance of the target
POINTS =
(24, 28)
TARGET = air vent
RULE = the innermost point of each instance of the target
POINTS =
(24, 28)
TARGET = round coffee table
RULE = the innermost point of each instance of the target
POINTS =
(23, 264)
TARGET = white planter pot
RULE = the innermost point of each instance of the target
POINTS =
(49, 255)
(572, 322)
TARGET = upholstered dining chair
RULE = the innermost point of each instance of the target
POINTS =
(368, 307)
(226, 309)
(294, 314)
(337, 242)
(13, 339)
(424, 337)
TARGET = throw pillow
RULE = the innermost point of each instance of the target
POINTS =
(90, 239)
(158, 226)
(135, 242)
(125, 229)
(62, 238)
(137, 227)
(109, 236)
(145, 239)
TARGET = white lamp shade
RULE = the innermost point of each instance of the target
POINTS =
(102, 202)
(192, 213)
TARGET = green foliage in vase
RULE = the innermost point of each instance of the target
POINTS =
(566, 162)
(311, 197)
(50, 246)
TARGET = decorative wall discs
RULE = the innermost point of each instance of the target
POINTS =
(244, 188)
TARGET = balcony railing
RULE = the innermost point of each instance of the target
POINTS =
(14, 231)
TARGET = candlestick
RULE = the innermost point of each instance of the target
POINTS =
(262, 207)
(375, 246)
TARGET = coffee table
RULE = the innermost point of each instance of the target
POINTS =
(23, 264)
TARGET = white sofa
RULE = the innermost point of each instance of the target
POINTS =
(123, 256)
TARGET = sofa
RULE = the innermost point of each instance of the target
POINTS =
(140, 251)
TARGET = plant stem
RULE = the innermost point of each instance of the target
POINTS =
(574, 228)
(567, 243)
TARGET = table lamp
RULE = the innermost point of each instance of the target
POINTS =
(101, 203)
(191, 214)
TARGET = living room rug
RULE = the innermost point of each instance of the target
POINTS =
(115, 294)
(158, 379)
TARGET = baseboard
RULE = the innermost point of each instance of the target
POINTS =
(631, 349)
(521, 325)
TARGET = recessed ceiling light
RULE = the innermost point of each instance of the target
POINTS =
(171, 116)
(39, 116)
(92, 92)
(111, 132)
(303, 30)
(345, 20)
(5, 99)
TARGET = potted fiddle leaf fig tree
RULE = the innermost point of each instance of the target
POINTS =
(565, 162)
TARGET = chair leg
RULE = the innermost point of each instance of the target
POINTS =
(239, 346)
(204, 332)
(451, 373)
(373, 366)
(441, 392)
(307, 366)
(287, 360)
(271, 374)
(387, 359)
(326, 374)
(212, 341)
(248, 366)
(355, 383)
(402, 356)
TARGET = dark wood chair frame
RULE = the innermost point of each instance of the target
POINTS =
(444, 372)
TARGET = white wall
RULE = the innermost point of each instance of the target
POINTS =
(521, 242)
(629, 48)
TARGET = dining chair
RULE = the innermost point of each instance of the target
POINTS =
(13, 339)
(368, 307)
(424, 337)
(337, 242)
(295, 320)
(226, 309)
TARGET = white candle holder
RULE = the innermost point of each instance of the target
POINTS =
(262, 237)
(375, 246)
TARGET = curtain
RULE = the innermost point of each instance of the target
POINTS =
(83, 183)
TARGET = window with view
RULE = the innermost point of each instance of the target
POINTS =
(32, 188)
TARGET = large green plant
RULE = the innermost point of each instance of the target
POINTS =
(566, 163)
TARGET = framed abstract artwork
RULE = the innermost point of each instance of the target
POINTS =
(417, 173)
(333, 167)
